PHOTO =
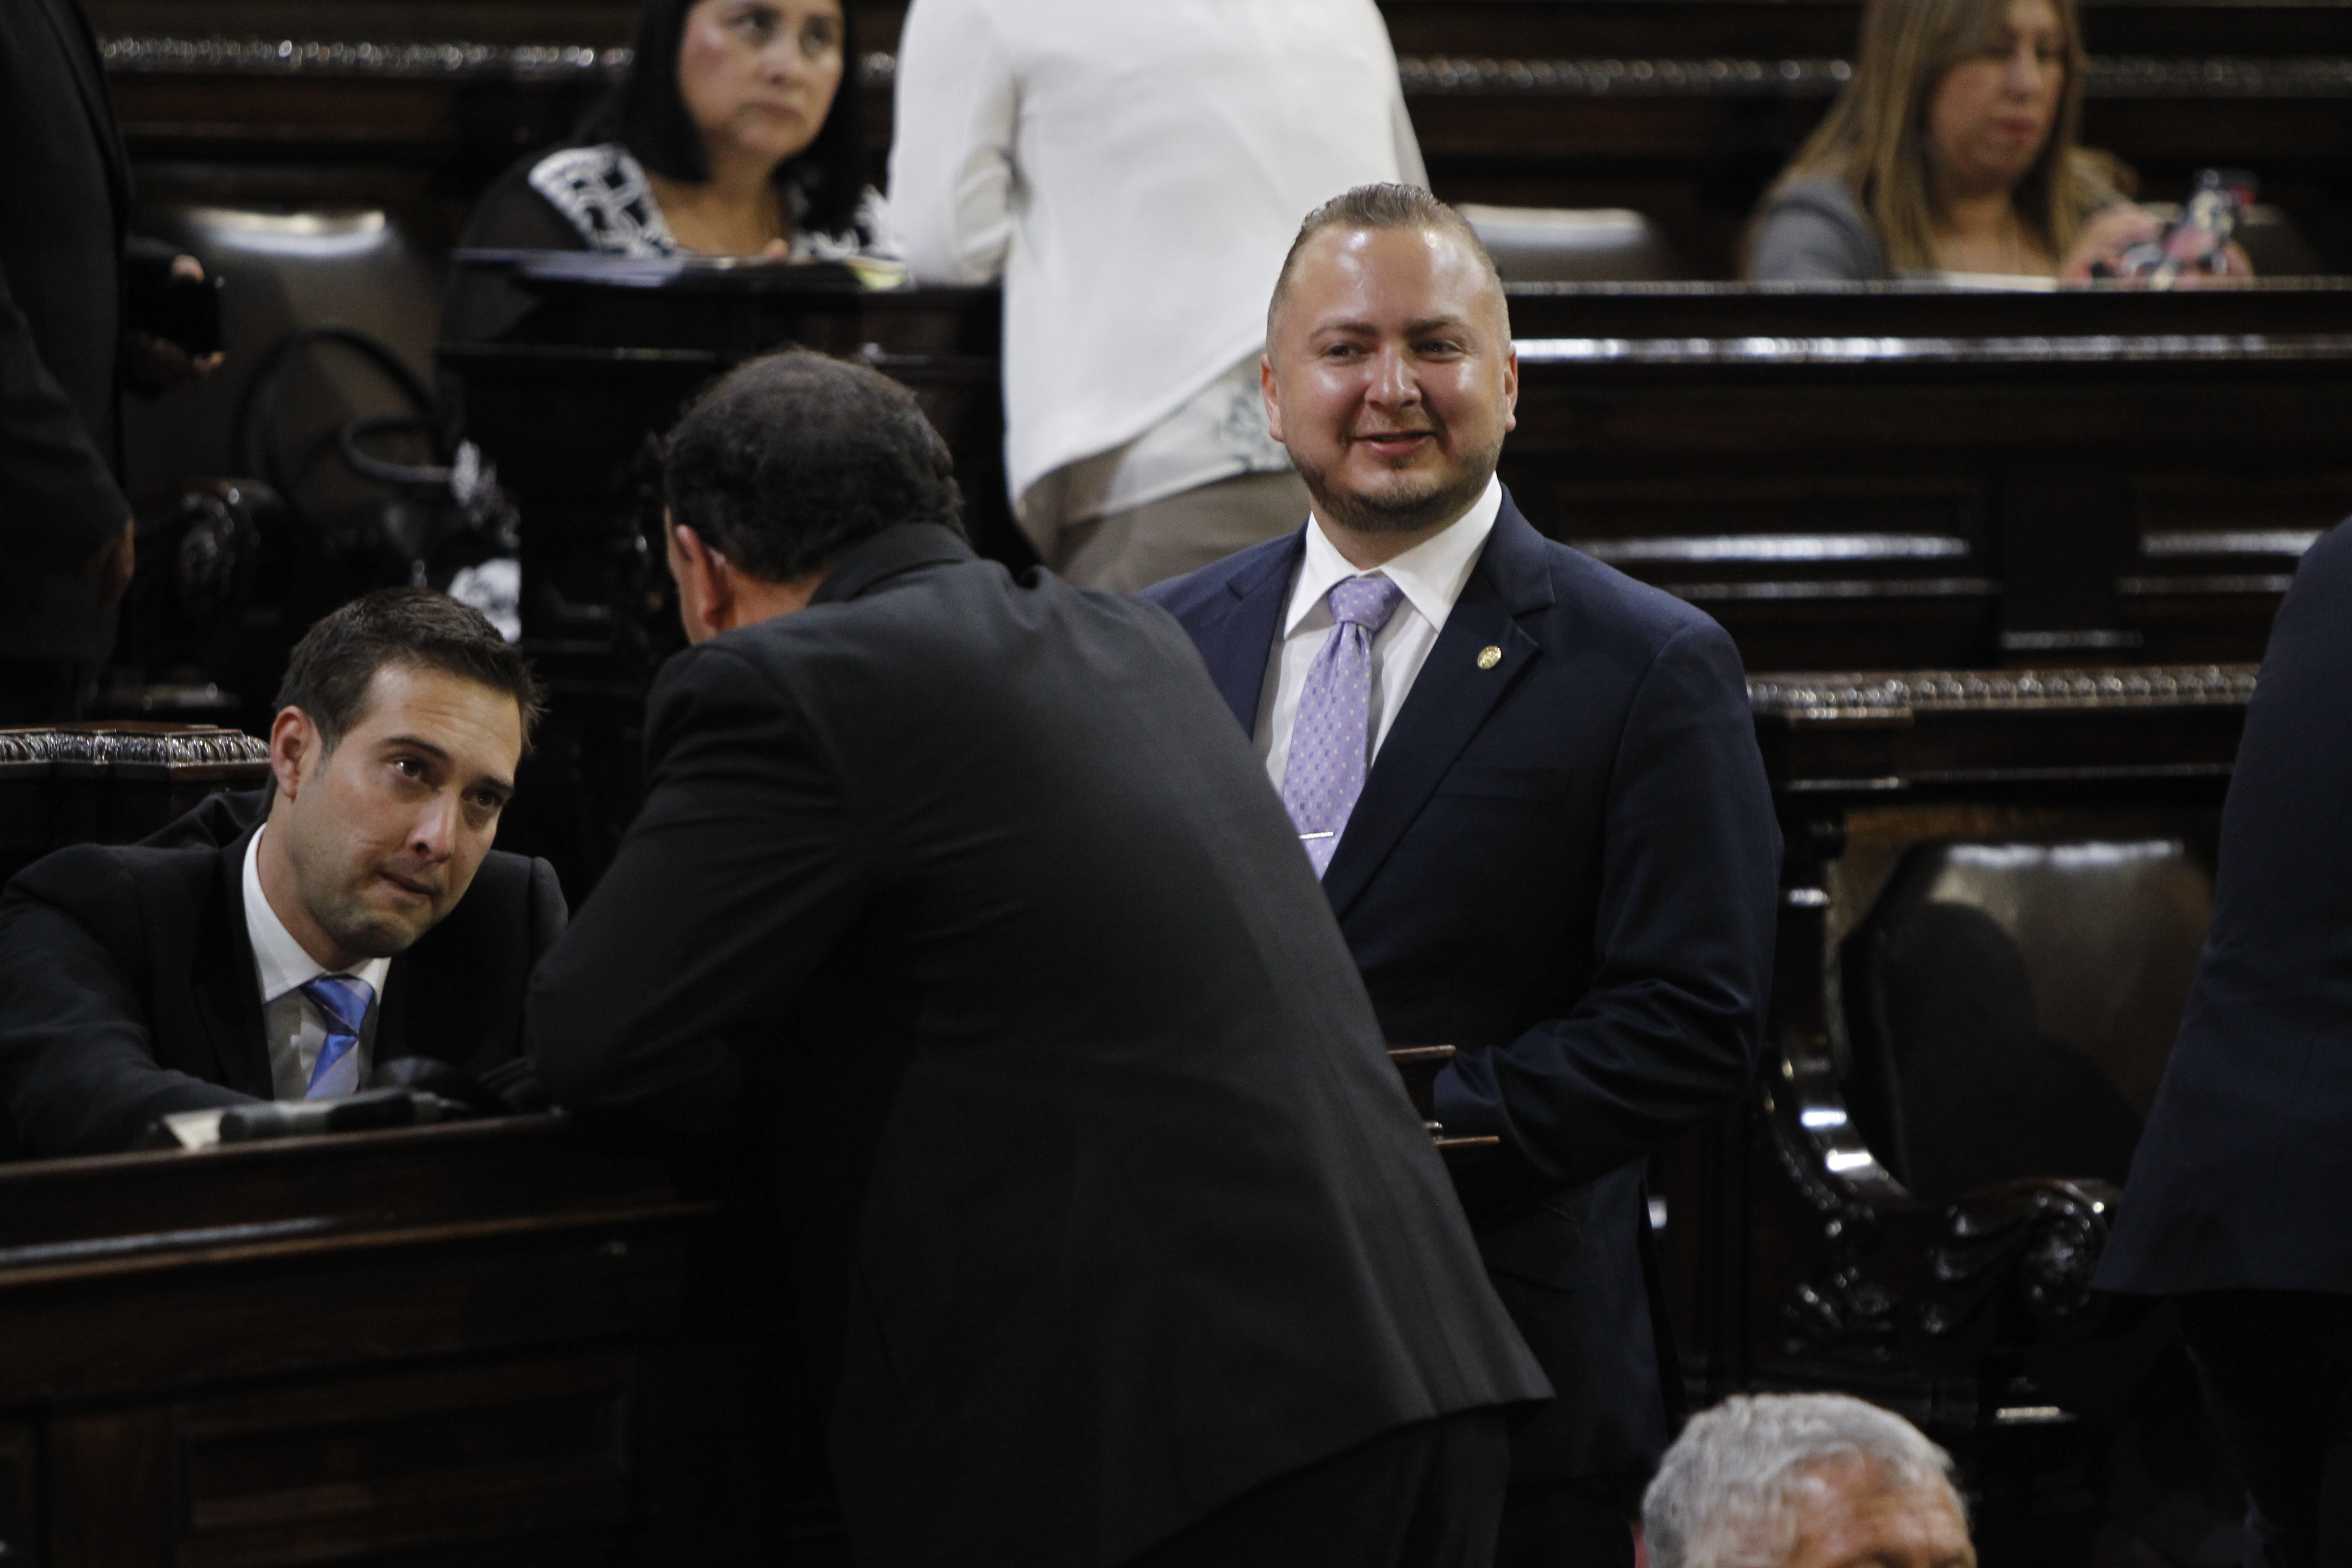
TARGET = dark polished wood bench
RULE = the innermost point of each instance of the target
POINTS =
(112, 783)
(1873, 476)
(473, 1343)
(1881, 477)
(1684, 109)
(2030, 854)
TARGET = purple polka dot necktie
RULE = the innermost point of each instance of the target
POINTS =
(344, 1001)
(1330, 745)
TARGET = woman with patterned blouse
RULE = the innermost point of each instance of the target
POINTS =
(732, 135)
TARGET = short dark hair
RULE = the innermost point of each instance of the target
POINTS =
(791, 459)
(823, 182)
(331, 668)
(1379, 207)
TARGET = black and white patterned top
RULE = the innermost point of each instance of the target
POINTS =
(602, 190)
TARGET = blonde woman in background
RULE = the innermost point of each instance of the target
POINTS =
(1951, 153)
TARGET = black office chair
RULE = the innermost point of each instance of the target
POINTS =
(2010, 1006)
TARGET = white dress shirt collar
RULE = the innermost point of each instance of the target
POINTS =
(1431, 574)
(281, 963)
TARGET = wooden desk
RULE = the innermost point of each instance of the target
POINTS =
(1881, 478)
(1687, 109)
(1682, 109)
(112, 783)
(1874, 475)
(475, 1343)
(1794, 1257)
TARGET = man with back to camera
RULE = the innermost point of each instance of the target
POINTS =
(1116, 1238)
(236, 957)
(1531, 787)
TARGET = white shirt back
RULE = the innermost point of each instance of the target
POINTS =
(1431, 576)
(1135, 170)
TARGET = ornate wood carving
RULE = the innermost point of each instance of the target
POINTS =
(1425, 76)
(1831, 699)
(2088, 348)
(128, 751)
(112, 783)
(1854, 1280)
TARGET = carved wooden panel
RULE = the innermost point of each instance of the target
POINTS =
(522, 1454)
(444, 1346)
(112, 783)
(405, 1460)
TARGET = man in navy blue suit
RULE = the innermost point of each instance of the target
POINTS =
(2236, 1201)
(1531, 787)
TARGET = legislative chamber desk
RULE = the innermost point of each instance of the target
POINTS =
(475, 1343)
(1995, 887)
(1683, 109)
(1887, 476)
(1860, 477)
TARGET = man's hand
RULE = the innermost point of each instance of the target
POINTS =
(109, 570)
(2104, 239)
(158, 365)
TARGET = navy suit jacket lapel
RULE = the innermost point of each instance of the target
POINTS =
(1449, 701)
(1236, 636)
(226, 988)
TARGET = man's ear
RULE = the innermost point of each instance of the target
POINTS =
(1511, 387)
(294, 741)
(706, 585)
(1266, 389)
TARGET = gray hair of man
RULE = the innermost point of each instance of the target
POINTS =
(1725, 1493)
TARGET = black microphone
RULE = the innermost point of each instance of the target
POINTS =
(367, 1112)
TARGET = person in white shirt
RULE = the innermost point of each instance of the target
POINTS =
(1133, 171)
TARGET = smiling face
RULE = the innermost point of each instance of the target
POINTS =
(759, 76)
(1990, 115)
(372, 841)
(1390, 375)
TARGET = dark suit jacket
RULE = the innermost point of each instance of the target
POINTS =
(1566, 866)
(128, 991)
(2241, 1178)
(65, 194)
(1108, 1204)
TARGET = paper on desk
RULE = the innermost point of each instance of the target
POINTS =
(195, 1129)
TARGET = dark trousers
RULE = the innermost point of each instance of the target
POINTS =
(2277, 1369)
(1426, 1496)
(1573, 1525)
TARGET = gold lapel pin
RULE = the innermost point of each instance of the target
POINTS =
(1489, 657)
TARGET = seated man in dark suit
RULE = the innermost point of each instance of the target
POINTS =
(1530, 785)
(1116, 1238)
(235, 958)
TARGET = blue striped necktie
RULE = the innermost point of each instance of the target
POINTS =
(343, 1001)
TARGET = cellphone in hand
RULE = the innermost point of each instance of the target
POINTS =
(2197, 240)
(181, 311)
